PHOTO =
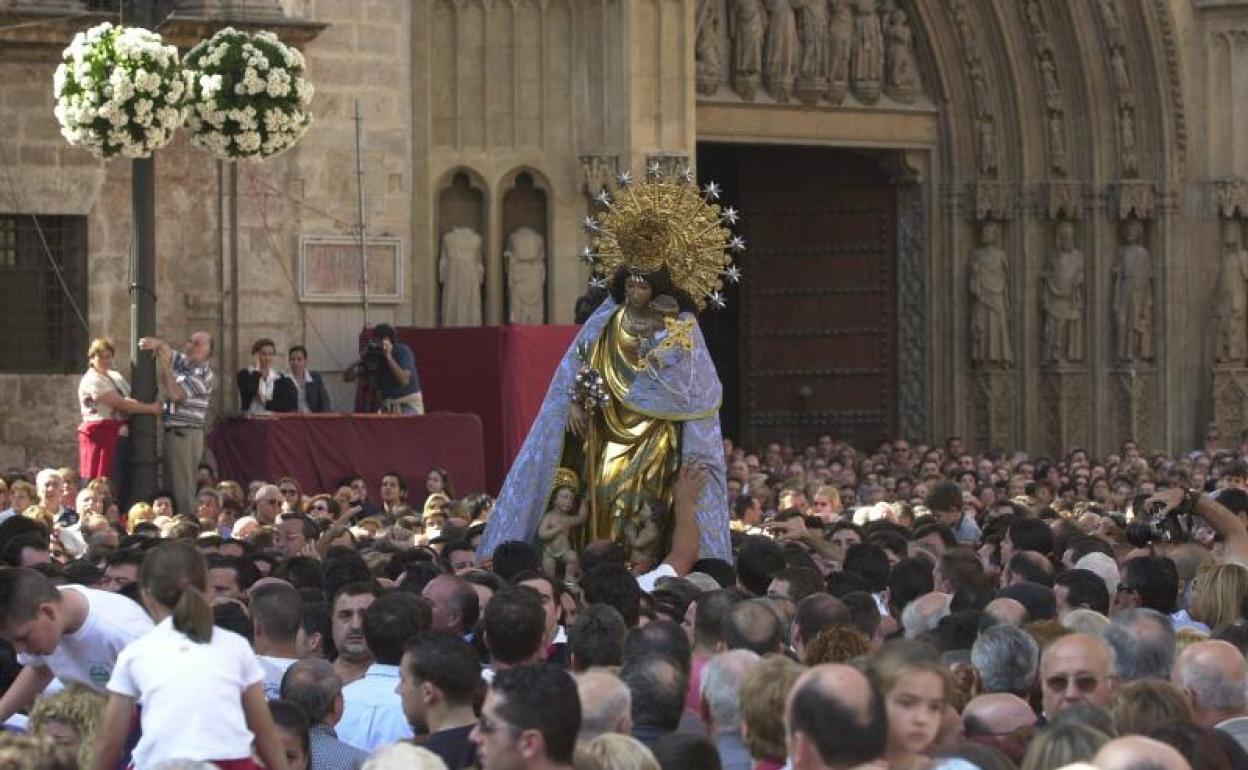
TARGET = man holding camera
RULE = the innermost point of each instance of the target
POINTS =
(390, 367)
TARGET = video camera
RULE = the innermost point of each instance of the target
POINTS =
(1158, 525)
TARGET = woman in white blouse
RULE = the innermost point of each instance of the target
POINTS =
(104, 398)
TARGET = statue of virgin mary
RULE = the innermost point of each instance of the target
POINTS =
(636, 396)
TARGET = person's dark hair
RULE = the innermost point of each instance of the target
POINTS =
(418, 574)
(397, 477)
(1235, 634)
(658, 637)
(723, 572)
(817, 612)
(1030, 566)
(296, 349)
(658, 687)
(542, 697)
(390, 621)
(759, 559)
(291, 716)
(245, 572)
(1201, 746)
(708, 617)
(958, 630)
(908, 580)
(275, 607)
(660, 283)
(513, 557)
(686, 751)
(12, 554)
(936, 528)
(515, 623)
(841, 583)
(1038, 600)
(597, 638)
(454, 546)
(864, 613)
(22, 590)
(753, 625)
(1031, 535)
(131, 557)
(613, 584)
(803, 581)
(176, 576)
(384, 332)
(960, 567)
(301, 572)
(1155, 579)
(1084, 588)
(83, 573)
(944, 496)
(314, 618)
(447, 661)
(1080, 546)
(974, 594)
(231, 616)
(344, 570)
(841, 735)
(868, 562)
(602, 552)
(892, 541)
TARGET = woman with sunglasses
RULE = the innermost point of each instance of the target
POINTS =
(292, 495)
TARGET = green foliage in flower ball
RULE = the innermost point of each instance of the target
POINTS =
(249, 96)
(119, 90)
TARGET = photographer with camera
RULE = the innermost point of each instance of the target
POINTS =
(390, 367)
(1170, 520)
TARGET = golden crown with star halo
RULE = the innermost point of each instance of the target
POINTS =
(566, 477)
(665, 222)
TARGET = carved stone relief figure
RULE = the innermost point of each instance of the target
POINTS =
(461, 270)
(840, 44)
(781, 53)
(986, 145)
(708, 58)
(1057, 142)
(812, 30)
(1035, 18)
(867, 68)
(1048, 80)
(525, 258)
(1231, 302)
(1133, 296)
(1122, 80)
(1062, 300)
(1130, 155)
(747, 25)
(979, 91)
(903, 71)
(990, 304)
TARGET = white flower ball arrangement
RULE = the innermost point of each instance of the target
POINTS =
(119, 90)
(249, 97)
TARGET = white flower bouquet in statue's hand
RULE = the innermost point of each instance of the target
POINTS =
(119, 90)
(249, 97)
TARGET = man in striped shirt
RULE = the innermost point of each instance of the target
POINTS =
(187, 379)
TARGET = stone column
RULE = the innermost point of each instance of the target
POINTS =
(992, 408)
(1063, 392)
(1230, 354)
(1134, 402)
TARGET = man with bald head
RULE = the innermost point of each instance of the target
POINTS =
(924, 613)
(834, 720)
(1011, 612)
(1214, 676)
(996, 713)
(1077, 668)
(606, 705)
(1136, 751)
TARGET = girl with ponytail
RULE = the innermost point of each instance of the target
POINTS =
(198, 688)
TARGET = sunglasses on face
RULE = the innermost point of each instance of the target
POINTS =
(1085, 683)
(289, 492)
(320, 507)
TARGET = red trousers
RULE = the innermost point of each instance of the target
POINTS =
(97, 447)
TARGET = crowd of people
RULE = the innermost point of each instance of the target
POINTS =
(908, 607)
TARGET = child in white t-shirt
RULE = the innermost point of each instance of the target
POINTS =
(198, 687)
(73, 634)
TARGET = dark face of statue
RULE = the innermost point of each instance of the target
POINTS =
(637, 292)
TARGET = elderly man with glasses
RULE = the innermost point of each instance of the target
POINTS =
(1077, 669)
(268, 504)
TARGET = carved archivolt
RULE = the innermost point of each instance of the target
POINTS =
(1051, 88)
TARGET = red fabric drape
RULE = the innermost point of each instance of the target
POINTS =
(320, 449)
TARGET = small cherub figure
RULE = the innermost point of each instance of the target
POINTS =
(642, 535)
(555, 529)
(668, 331)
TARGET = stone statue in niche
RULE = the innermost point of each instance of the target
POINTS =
(781, 53)
(1130, 155)
(1133, 296)
(747, 25)
(1062, 300)
(903, 71)
(990, 303)
(1035, 18)
(867, 65)
(1048, 81)
(840, 44)
(461, 269)
(812, 31)
(986, 144)
(708, 58)
(1057, 142)
(1231, 303)
(979, 91)
(525, 258)
(1122, 80)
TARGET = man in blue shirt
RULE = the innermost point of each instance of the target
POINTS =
(390, 367)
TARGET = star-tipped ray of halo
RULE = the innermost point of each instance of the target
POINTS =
(597, 282)
(729, 216)
(687, 174)
(737, 244)
(603, 198)
(588, 256)
(626, 179)
(654, 169)
(717, 300)
(711, 191)
(590, 224)
(732, 274)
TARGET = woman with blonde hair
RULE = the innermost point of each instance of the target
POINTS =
(69, 718)
(105, 402)
(915, 688)
(1061, 745)
(763, 694)
(139, 512)
(620, 752)
(1218, 593)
